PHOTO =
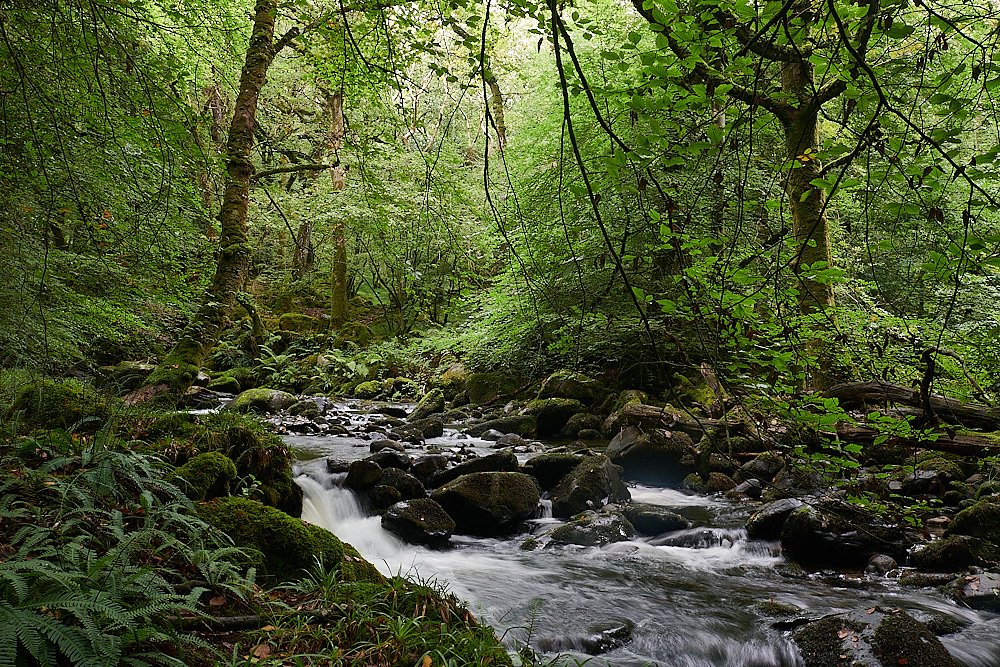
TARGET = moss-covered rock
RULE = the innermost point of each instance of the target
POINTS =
(126, 376)
(498, 462)
(263, 400)
(840, 534)
(483, 387)
(653, 520)
(409, 487)
(205, 476)
(52, 403)
(592, 529)
(307, 408)
(567, 384)
(452, 381)
(651, 456)
(226, 384)
(368, 390)
(982, 520)
(716, 482)
(489, 503)
(419, 521)
(592, 482)
(289, 545)
(431, 403)
(900, 639)
(582, 421)
(955, 553)
(551, 414)
(300, 323)
(521, 424)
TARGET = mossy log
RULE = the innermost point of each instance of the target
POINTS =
(870, 394)
(966, 444)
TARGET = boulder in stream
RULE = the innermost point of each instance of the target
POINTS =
(552, 414)
(982, 520)
(489, 503)
(955, 553)
(592, 483)
(431, 403)
(592, 529)
(263, 400)
(419, 521)
(499, 462)
(653, 520)
(651, 456)
(550, 468)
(872, 637)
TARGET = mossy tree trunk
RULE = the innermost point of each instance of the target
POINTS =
(178, 370)
(338, 176)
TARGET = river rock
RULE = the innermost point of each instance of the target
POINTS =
(391, 458)
(982, 520)
(602, 638)
(492, 435)
(550, 468)
(431, 427)
(871, 637)
(420, 521)
(593, 529)
(762, 468)
(483, 387)
(510, 440)
(382, 496)
(978, 591)
(379, 445)
(489, 503)
(955, 553)
(431, 403)
(578, 423)
(520, 424)
(594, 482)
(567, 384)
(650, 456)
(262, 400)
(425, 466)
(498, 462)
(363, 475)
(336, 466)
(307, 408)
(551, 414)
(653, 520)
(409, 487)
(835, 533)
(716, 482)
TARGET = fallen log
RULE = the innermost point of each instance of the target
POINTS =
(854, 395)
(966, 444)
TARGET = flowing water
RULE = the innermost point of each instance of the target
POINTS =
(686, 599)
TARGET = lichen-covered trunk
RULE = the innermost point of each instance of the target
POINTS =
(178, 370)
(338, 176)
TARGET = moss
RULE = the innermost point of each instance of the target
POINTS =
(368, 390)
(52, 403)
(942, 466)
(982, 520)
(902, 640)
(226, 384)
(262, 400)
(206, 476)
(777, 609)
(821, 643)
(717, 482)
(483, 387)
(289, 545)
(299, 323)
(353, 333)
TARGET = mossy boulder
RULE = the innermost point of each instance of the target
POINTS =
(289, 545)
(833, 533)
(549, 469)
(307, 408)
(592, 529)
(653, 520)
(982, 520)
(762, 468)
(955, 553)
(363, 474)
(594, 481)
(409, 487)
(205, 476)
(52, 403)
(552, 414)
(871, 637)
(498, 462)
(263, 400)
(483, 387)
(567, 384)
(431, 403)
(580, 422)
(489, 503)
(715, 482)
(520, 424)
(368, 390)
(226, 384)
(766, 523)
(300, 323)
(452, 381)
(419, 521)
(126, 376)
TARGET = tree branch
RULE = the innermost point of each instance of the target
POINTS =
(293, 168)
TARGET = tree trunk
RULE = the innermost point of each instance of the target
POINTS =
(338, 175)
(178, 370)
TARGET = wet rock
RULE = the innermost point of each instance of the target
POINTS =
(880, 565)
(577, 386)
(982, 520)
(225, 384)
(390, 458)
(432, 427)
(978, 591)
(379, 445)
(425, 466)
(651, 456)
(199, 398)
(594, 482)
(383, 497)
(589, 434)
(499, 462)
(511, 440)
(716, 482)
(580, 422)
(420, 521)
(776, 609)
(550, 468)
(363, 475)
(489, 503)
(520, 424)
(262, 400)
(653, 520)
(762, 468)
(593, 529)
(871, 637)
(839, 534)
(750, 489)
(409, 487)
(393, 411)
(334, 466)
(955, 553)
(492, 435)
(601, 640)
(551, 414)
(431, 403)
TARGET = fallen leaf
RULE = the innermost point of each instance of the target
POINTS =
(870, 611)
(426, 662)
(217, 601)
(902, 661)
(268, 628)
(262, 651)
(843, 632)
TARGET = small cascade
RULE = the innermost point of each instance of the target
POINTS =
(702, 538)
(545, 508)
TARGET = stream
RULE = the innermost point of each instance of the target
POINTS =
(683, 599)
